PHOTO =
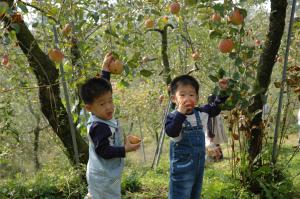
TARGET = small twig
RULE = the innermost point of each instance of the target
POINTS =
(42, 11)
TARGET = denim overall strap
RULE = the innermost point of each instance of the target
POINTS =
(198, 119)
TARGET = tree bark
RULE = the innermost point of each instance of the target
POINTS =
(264, 72)
(49, 92)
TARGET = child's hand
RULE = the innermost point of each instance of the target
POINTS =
(223, 84)
(186, 106)
(130, 147)
(107, 60)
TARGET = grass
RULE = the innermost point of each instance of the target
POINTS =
(218, 181)
(139, 181)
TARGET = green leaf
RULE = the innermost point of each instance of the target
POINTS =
(35, 24)
(219, 8)
(126, 69)
(111, 32)
(135, 57)
(146, 73)
(190, 2)
(122, 84)
(245, 87)
(236, 76)
(221, 73)
(232, 55)
(243, 12)
(213, 78)
(155, 12)
(238, 61)
(22, 7)
(16, 27)
(95, 16)
(214, 34)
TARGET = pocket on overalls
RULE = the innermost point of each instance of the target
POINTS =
(182, 161)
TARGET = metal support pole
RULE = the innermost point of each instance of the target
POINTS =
(274, 152)
(66, 94)
(161, 138)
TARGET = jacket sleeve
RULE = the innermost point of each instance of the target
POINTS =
(100, 134)
(105, 75)
(173, 125)
(213, 109)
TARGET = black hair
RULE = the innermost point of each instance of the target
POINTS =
(94, 88)
(183, 80)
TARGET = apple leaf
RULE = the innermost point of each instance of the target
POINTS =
(22, 7)
(146, 73)
(122, 84)
(236, 76)
(16, 27)
(221, 73)
(111, 32)
(215, 34)
(213, 78)
(238, 61)
(243, 12)
(155, 12)
(219, 8)
(35, 24)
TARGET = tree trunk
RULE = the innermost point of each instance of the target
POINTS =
(49, 92)
(264, 72)
(263, 77)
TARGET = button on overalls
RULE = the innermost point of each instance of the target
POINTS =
(187, 159)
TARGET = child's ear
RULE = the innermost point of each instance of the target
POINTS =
(173, 99)
(88, 107)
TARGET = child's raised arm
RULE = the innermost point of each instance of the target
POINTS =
(105, 66)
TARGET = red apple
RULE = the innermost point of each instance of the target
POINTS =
(195, 56)
(226, 45)
(116, 67)
(56, 55)
(175, 8)
(165, 19)
(149, 23)
(236, 17)
(216, 17)
(66, 30)
(257, 42)
(5, 60)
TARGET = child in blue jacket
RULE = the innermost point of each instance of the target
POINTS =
(185, 127)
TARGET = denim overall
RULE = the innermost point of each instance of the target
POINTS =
(104, 175)
(187, 158)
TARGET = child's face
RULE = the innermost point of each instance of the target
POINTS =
(102, 107)
(186, 96)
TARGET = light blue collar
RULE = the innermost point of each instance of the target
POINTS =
(113, 122)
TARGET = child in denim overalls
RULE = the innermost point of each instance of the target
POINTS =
(106, 152)
(187, 147)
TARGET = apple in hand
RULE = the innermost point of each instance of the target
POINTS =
(133, 139)
(190, 104)
(116, 67)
